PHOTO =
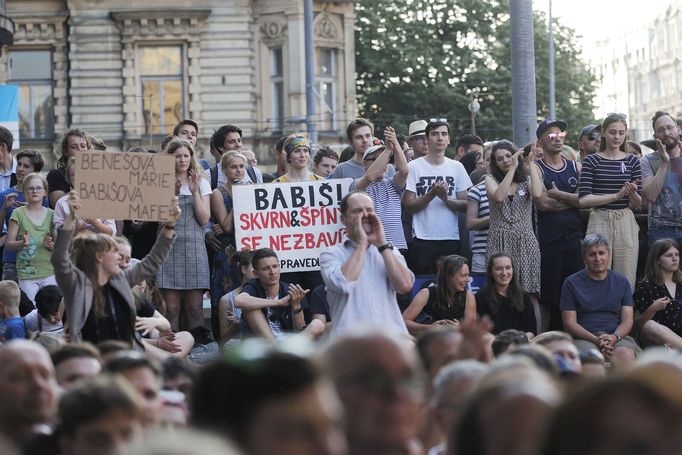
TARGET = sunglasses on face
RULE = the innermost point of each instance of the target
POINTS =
(555, 136)
(593, 137)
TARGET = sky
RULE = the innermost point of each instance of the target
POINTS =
(599, 19)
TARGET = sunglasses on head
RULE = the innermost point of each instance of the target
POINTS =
(438, 120)
(555, 136)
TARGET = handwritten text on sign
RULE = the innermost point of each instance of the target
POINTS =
(125, 186)
(297, 220)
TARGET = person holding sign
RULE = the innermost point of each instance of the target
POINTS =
(363, 273)
(29, 233)
(184, 276)
(97, 294)
(61, 211)
(297, 147)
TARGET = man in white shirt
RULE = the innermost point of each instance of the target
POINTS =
(436, 190)
(363, 273)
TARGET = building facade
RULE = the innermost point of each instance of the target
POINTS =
(127, 72)
(641, 71)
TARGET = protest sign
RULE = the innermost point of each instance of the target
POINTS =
(297, 220)
(125, 186)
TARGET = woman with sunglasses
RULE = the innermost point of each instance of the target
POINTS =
(658, 297)
(511, 212)
(610, 185)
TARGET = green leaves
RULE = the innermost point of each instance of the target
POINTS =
(426, 58)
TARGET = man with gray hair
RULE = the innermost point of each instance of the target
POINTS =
(452, 386)
(596, 305)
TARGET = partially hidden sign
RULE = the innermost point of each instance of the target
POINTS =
(297, 220)
(125, 186)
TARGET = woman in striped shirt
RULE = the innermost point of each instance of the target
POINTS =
(610, 185)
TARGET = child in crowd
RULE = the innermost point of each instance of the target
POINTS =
(47, 317)
(11, 323)
(29, 233)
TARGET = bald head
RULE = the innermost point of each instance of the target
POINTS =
(381, 387)
(27, 387)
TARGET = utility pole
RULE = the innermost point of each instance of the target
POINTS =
(524, 107)
(550, 41)
(309, 71)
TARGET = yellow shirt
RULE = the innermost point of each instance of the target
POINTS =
(285, 178)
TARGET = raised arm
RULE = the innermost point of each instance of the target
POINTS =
(652, 186)
(399, 160)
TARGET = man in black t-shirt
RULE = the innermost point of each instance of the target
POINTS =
(272, 307)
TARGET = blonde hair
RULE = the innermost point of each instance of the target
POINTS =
(10, 293)
(228, 156)
(86, 246)
(29, 177)
(176, 144)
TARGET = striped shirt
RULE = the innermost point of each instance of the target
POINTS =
(601, 175)
(479, 195)
(387, 197)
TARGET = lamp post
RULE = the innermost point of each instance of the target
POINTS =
(474, 107)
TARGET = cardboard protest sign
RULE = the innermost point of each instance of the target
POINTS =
(125, 186)
(297, 220)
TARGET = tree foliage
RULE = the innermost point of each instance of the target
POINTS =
(427, 58)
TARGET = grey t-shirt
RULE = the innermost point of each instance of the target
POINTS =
(597, 303)
(667, 210)
(355, 170)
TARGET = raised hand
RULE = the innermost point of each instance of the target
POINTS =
(10, 201)
(193, 180)
(662, 152)
(48, 242)
(376, 237)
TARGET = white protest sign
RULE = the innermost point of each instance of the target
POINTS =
(297, 220)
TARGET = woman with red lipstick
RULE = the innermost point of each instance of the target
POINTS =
(511, 213)
(184, 277)
(503, 299)
(658, 297)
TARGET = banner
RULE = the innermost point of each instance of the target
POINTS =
(297, 220)
(9, 111)
(125, 186)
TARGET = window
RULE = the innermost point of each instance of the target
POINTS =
(161, 78)
(32, 72)
(326, 87)
(277, 84)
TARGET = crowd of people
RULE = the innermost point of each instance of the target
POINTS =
(516, 298)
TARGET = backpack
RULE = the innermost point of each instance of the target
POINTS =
(214, 175)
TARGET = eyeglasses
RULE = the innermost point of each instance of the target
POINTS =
(438, 120)
(555, 136)
(35, 189)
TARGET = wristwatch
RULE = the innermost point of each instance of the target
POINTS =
(386, 246)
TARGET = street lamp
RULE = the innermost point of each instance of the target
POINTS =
(474, 107)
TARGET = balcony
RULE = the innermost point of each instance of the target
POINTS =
(6, 31)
